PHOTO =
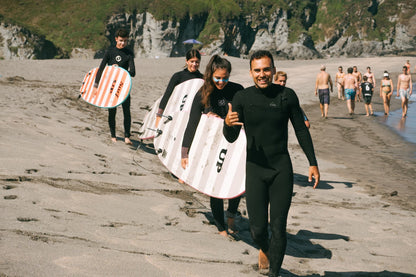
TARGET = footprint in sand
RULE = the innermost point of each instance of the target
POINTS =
(10, 197)
(31, 170)
(26, 219)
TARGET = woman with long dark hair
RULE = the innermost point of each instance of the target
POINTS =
(212, 99)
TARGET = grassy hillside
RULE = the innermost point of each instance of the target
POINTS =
(80, 23)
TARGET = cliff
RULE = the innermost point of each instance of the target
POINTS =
(296, 29)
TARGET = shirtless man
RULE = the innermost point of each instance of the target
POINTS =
(404, 89)
(370, 77)
(358, 76)
(321, 86)
(407, 64)
(338, 80)
(350, 85)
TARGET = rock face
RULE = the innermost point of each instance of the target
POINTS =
(17, 43)
(153, 38)
(288, 34)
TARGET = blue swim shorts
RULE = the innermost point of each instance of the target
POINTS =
(349, 93)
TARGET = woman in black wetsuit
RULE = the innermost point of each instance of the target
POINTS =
(213, 99)
(193, 59)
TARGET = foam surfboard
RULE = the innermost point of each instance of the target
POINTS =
(113, 89)
(148, 128)
(216, 167)
(180, 100)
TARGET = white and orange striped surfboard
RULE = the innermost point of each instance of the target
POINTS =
(216, 167)
(113, 89)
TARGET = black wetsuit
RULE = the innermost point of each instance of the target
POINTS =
(269, 175)
(177, 78)
(219, 100)
(125, 59)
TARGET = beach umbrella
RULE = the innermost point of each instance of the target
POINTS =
(192, 41)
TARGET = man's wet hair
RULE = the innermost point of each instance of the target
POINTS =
(350, 70)
(261, 54)
(365, 78)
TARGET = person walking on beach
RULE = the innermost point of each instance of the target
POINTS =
(407, 65)
(121, 56)
(265, 109)
(404, 89)
(322, 87)
(191, 71)
(213, 99)
(366, 90)
(280, 78)
(350, 85)
(338, 80)
(359, 78)
(370, 77)
(386, 91)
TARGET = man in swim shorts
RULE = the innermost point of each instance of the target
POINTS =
(404, 89)
(350, 84)
(322, 87)
(359, 77)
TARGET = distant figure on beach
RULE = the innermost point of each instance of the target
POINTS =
(386, 91)
(350, 85)
(213, 99)
(280, 78)
(407, 65)
(265, 109)
(366, 90)
(191, 71)
(339, 77)
(359, 78)
(404, 89)
(119, 55)
(322, 87)
(370, 77)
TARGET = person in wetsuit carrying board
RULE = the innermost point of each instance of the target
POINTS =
(121, 56)
(265, 109)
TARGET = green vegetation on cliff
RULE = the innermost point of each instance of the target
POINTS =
(79, 23)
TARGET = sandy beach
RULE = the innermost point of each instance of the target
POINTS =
(74, 204)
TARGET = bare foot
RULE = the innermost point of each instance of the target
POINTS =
(223, 233)
(263, 260)
(232, 229)
(181, 181)
(128, 141)
(114, 140)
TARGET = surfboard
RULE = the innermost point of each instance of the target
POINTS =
(180, 100)
(216, 167)
(148, 128)
(113, 89)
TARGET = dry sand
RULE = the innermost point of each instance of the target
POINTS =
(74, 204)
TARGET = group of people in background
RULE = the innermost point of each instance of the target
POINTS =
(356, 87)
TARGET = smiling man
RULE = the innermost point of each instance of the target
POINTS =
(265, 109)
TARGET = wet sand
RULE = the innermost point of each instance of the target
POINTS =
(74, 204)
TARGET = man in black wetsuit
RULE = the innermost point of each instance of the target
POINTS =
(123, 57)
(264, 109)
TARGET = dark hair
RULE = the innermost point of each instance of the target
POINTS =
(261, 54)
(365, 78)
(193, 53)
(216, 62)
(349, 70)
(123, 33)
